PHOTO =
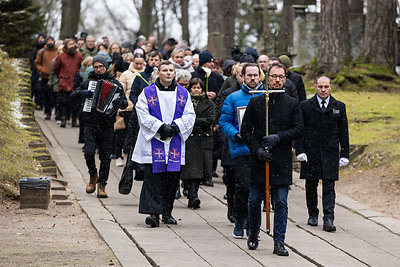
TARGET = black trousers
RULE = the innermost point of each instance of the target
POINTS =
(47, 96)
(158, 191)
(64, 104)
(242, 185)
(229, 181)
(98, 137)
(328, 198)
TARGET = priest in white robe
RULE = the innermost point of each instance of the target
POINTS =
(166, 118)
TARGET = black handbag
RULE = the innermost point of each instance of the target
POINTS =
(125, 184)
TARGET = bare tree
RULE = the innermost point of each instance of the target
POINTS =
(70, 15)
(380, 33)
(118, 22)
(221, 26)
(183, 17)
(146, 18)
(333, 42)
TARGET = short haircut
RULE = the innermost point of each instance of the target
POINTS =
(276, 65)
(154, 54)
(323, 76)
(176, 51)
(246, 65)
(218, 61)
(165, 62)
(275, 59)
(195, 81)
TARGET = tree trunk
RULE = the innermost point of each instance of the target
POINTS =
(333, 41)
(185, 20)
(221, 26)
(286, 32)
(380, 33)
(70, 15)
(146, 18)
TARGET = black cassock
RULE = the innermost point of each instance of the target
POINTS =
(285, 120)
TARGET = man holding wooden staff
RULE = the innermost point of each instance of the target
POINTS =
(284, 125)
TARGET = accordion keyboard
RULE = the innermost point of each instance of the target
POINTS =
(87, 107)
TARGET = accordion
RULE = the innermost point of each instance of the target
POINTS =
(104, 93)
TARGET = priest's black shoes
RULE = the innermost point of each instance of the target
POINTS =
(329, 226)
(153, 220)
(252, 240)
(168, 219)
(279, 249)
(313, 221)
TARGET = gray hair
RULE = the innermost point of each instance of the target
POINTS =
(183, 74)
(176, 51)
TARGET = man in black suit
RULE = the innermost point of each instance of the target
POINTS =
(325, 128)
(284, 124)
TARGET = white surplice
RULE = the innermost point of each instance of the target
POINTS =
(149, 124)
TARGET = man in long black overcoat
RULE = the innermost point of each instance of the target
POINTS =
(285, 124)
(325, 128)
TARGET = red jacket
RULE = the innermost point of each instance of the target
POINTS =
(65, 67)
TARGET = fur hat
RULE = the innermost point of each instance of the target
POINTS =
(204, 57)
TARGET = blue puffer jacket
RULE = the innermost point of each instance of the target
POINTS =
(228, 121)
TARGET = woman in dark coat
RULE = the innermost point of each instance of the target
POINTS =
(199, 145)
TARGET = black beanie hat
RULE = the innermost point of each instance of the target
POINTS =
(204, 57)
(50, 37)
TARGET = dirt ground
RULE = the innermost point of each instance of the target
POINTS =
(379, 188)
(61, 235)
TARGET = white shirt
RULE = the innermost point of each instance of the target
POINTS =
(320, 101)
(149, 125)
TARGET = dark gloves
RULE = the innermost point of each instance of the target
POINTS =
(270, 141)
(168, 130)
(263, 155)
(86, 93)
(238, 138)
(117, 102)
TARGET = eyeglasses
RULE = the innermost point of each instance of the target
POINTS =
(98, 67)
(277, 76)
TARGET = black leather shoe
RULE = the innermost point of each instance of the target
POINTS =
(196, 203)
(329, 226)
(279, 249)
(312, 221)
(168, 219)
(153, 220)
(208, 183)
(185, 192)
(252, 241)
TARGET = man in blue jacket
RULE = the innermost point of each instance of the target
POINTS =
(232, 112)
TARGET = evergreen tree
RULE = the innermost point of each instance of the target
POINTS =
(20, 22)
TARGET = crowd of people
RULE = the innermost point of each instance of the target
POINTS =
(177, 112)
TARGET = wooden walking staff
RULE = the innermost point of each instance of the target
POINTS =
(267, 201)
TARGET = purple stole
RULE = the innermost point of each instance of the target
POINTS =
(157, 147)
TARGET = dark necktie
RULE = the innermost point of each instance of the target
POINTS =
(323, 108)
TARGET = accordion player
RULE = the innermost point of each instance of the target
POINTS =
(104, 93)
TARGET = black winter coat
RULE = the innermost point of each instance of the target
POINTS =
(298, 81)
(95, 117)
(323, 133)
(215, 81)
(139, 84)
(199, 145)
(286, 121)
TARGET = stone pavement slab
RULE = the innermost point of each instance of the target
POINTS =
(203, 237)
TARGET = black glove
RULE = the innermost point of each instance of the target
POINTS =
(86, 93)
(117, 102)
(264, 155)
(238, 138)
(163, 131)
(270, 141)
(174, 129)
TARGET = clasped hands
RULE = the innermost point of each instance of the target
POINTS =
(168, 130)
(267, 142)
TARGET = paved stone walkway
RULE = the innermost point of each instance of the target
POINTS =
(203, 237)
